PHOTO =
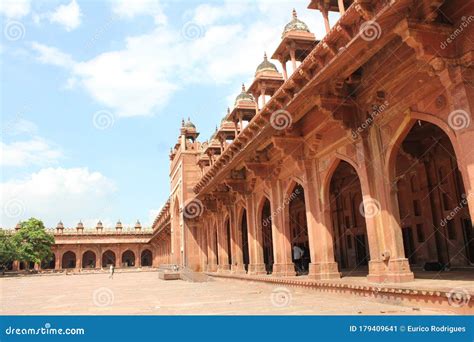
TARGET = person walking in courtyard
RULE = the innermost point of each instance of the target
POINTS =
(111, 271)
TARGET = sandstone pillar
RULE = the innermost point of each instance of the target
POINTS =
(283, 265)
(236, 242)
(461, 121)
(387, 256)
(211, 249)
(320, 231)
(256, 265)
(222, 245)
(79, 259)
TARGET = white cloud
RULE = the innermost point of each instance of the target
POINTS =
(130, 9)
(68, 16)
(207, 14)
(19, 126)
(51, 55)
(35, 151)
(15, 9)
(140, 78)
(54, 194)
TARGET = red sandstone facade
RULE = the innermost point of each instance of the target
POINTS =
(359, 152)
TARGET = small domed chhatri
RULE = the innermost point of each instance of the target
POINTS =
(188, 124)
(295, 25)
(266, 66)
(244, 96)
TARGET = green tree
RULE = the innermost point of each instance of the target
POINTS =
(32, 243)
(7, 250)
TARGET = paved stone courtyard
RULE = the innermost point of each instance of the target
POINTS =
(142, 293)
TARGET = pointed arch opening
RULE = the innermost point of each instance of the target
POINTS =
(347, 216)
(216, 245)
(50, 264)
(245, 240)
(146, 258)
(69, 260)
(267, 238)
(431, 199)
(128, 258)
(89, 259)
(108, 258)
(228, 240)
(177, 254)
(298, 229)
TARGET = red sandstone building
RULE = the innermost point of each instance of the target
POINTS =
(359, 152)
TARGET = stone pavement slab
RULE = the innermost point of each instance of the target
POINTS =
(145, 294)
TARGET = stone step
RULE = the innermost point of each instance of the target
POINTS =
(457, 301)
(195, 277)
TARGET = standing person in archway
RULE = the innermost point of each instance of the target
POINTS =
(111, 271)
(298, 258)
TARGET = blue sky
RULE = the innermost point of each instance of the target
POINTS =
(93, 93)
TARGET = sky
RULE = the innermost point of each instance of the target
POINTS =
(92, 95)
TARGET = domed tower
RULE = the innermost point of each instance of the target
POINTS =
(266, 67)
(226, 132)
(118, 226)
(60, 227)
(138, 226)
(243, 97)
(297, 42)
(244, 110)
(267, 81)
(188, 129)
(213, 149)
(80, 227)
(185, 172)
(99, 227)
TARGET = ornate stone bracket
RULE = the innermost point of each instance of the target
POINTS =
(339, 109)
(425, 39)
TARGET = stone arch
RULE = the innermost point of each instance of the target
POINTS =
(427, 147)
(128, 258)
(297, 224)
(146, 258)
(89, 259)
(215, 239)
(243, 229)
(69, 260)
(333, 164)
(228, 236)
(264, 221)
(177, 254)
(49, 265)
(343, 197)
(108, 258)
(404, 129)
(292, 182)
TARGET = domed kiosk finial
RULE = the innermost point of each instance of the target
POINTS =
(295, 25)
(188, 124)
(266, 65)
(244, 96)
